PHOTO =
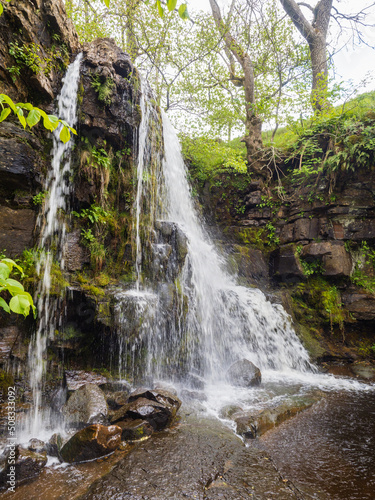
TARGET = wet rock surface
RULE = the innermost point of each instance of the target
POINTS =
(133, 430)
(244, 373)
(27, 465)
(87, 405)
(256, 423)
(92, 442)
(158, 415)
(201, 459)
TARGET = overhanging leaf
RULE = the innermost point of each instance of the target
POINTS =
(64, 134)
(183, 12)
(14, 286)
(20, 304)
(8, 100)
(160, 8)
(33, 117)
(5, 112)
(171, 4)
(4, 305)
(4, 271)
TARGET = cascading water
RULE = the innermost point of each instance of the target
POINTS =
(187, 319)
(53, 233)
(224, 322)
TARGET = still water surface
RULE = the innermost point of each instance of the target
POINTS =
(329, 450)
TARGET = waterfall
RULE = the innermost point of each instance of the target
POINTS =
(52, 239)
(189, 317)
(224, 322)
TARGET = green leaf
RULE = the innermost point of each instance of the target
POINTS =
(4, 305)
(73, 130)
(4, 271)
(48, 124)
(107, 2)
(14, 285)
(21, 118)
(33, 117)
(5, 112)
(1, 11)
(183, 12)
(8, 100)
(10, 263)
(64, 134)
(171, 4)
(160, 8)
(54, 121)
(26, 105)
(20, 304)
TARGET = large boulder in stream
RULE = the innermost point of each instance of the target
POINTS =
(87, 405)
(244, 374)
(91, 442)
(159, 395)
(134, 430)
(20, 464)
(253, 424)
(158, 415)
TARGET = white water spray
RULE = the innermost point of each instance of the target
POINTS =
(53, 231)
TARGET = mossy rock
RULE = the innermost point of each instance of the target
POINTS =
(6, 381)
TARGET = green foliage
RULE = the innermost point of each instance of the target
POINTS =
(39, 198)
(104, 88)
(99, 158)
(50, 122)
(21, 302)
(272, 239)
(209, 157)
(361, 278)
(320, 301)
(29, 56)
(96, 215)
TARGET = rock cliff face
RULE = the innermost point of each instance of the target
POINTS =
(37, 43)
(317, 246)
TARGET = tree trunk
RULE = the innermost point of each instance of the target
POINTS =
(319, 89)
(253, 137)
(315, 33)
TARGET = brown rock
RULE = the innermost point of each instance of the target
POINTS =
(16, 230)
(360, 304)
(158, 415)
(75, 254)
(27, 464)
(87, 405)
(335, 259)
(254, 424)
(91, 442)
(285, 264)
(244, 373)
(133, 430)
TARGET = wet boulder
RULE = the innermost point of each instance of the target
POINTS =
(37, 446)
(244, 373)
(255, 423)
(77, 378)
(158, 415)
(133, 430)
(92, 442)
(21, 464)
(162, 396)
(87, 405)
(54, 445)
(117, 399)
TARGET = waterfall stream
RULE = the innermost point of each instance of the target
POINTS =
(53, 231)
(189, 320)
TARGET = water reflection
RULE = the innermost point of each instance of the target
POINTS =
(329, 451)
